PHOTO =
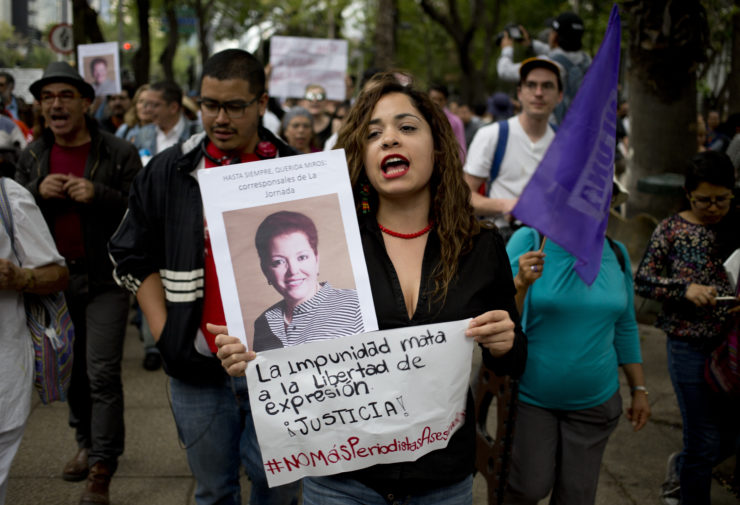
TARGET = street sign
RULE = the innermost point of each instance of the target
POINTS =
(61, 38)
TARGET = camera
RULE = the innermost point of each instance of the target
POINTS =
(514, 32)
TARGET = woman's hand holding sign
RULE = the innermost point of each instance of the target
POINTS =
(231, 351)
(494, 330)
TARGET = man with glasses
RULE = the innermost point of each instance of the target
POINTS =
(169, 126)
(162, 253)
(80, 178)
(505, 154)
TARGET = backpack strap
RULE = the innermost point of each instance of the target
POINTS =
(498, 155)
(617, 252)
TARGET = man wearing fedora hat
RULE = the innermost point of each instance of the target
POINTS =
(80, 177)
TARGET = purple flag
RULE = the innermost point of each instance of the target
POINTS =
(568, 197)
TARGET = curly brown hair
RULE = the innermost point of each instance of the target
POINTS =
(450, 208)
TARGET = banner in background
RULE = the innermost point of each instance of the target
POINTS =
(299, 61)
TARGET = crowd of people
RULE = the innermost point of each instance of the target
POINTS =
(109, 207)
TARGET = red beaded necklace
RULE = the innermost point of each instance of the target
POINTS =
(406, 235)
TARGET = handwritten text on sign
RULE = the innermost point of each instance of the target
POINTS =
(299, 61)
(353, 402)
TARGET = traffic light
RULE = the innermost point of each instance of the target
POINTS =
(128, 46)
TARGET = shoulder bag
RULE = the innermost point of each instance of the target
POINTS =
(722, 368)
(50, 326)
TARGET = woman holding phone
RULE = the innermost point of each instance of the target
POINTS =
(683, 268)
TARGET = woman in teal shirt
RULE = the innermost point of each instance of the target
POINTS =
(569, 400)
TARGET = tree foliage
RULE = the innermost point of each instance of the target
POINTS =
(452, 41)
(14, 46)
(22, 51)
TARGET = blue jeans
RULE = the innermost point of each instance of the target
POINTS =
(710, 427)
(219, 436)
(342, 491)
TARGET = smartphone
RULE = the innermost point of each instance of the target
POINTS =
(515, 33)
(727, 299)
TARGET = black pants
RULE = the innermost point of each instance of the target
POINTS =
(96, 391)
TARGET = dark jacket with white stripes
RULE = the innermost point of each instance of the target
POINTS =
(162, 231)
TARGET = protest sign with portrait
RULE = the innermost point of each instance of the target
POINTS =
(285, 237)
(328, 394)
(98, 64)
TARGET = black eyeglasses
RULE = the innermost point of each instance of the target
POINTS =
(234, 108)
(704, 202)
(47, 97)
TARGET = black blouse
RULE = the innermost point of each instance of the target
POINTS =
(483, 282)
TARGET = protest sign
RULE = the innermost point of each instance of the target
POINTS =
(98, 65)
(24, 77)
(246, 207)
(346, 404)
(299, 61)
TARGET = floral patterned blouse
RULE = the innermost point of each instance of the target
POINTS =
(681, 253)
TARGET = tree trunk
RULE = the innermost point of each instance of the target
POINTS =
(143, 54)
(167, 57)
(667, 40)
(202, 12)
(85, 23)
(734, 77)
(385, 34)
(493, 20)
(472, 83)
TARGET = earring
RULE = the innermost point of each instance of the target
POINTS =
(365, 197)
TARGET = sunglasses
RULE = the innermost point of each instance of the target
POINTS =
(315, 96)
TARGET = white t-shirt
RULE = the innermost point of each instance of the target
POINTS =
(521, 158)
(35, 248)
(165, 140)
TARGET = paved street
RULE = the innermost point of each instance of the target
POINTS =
(154, 471)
